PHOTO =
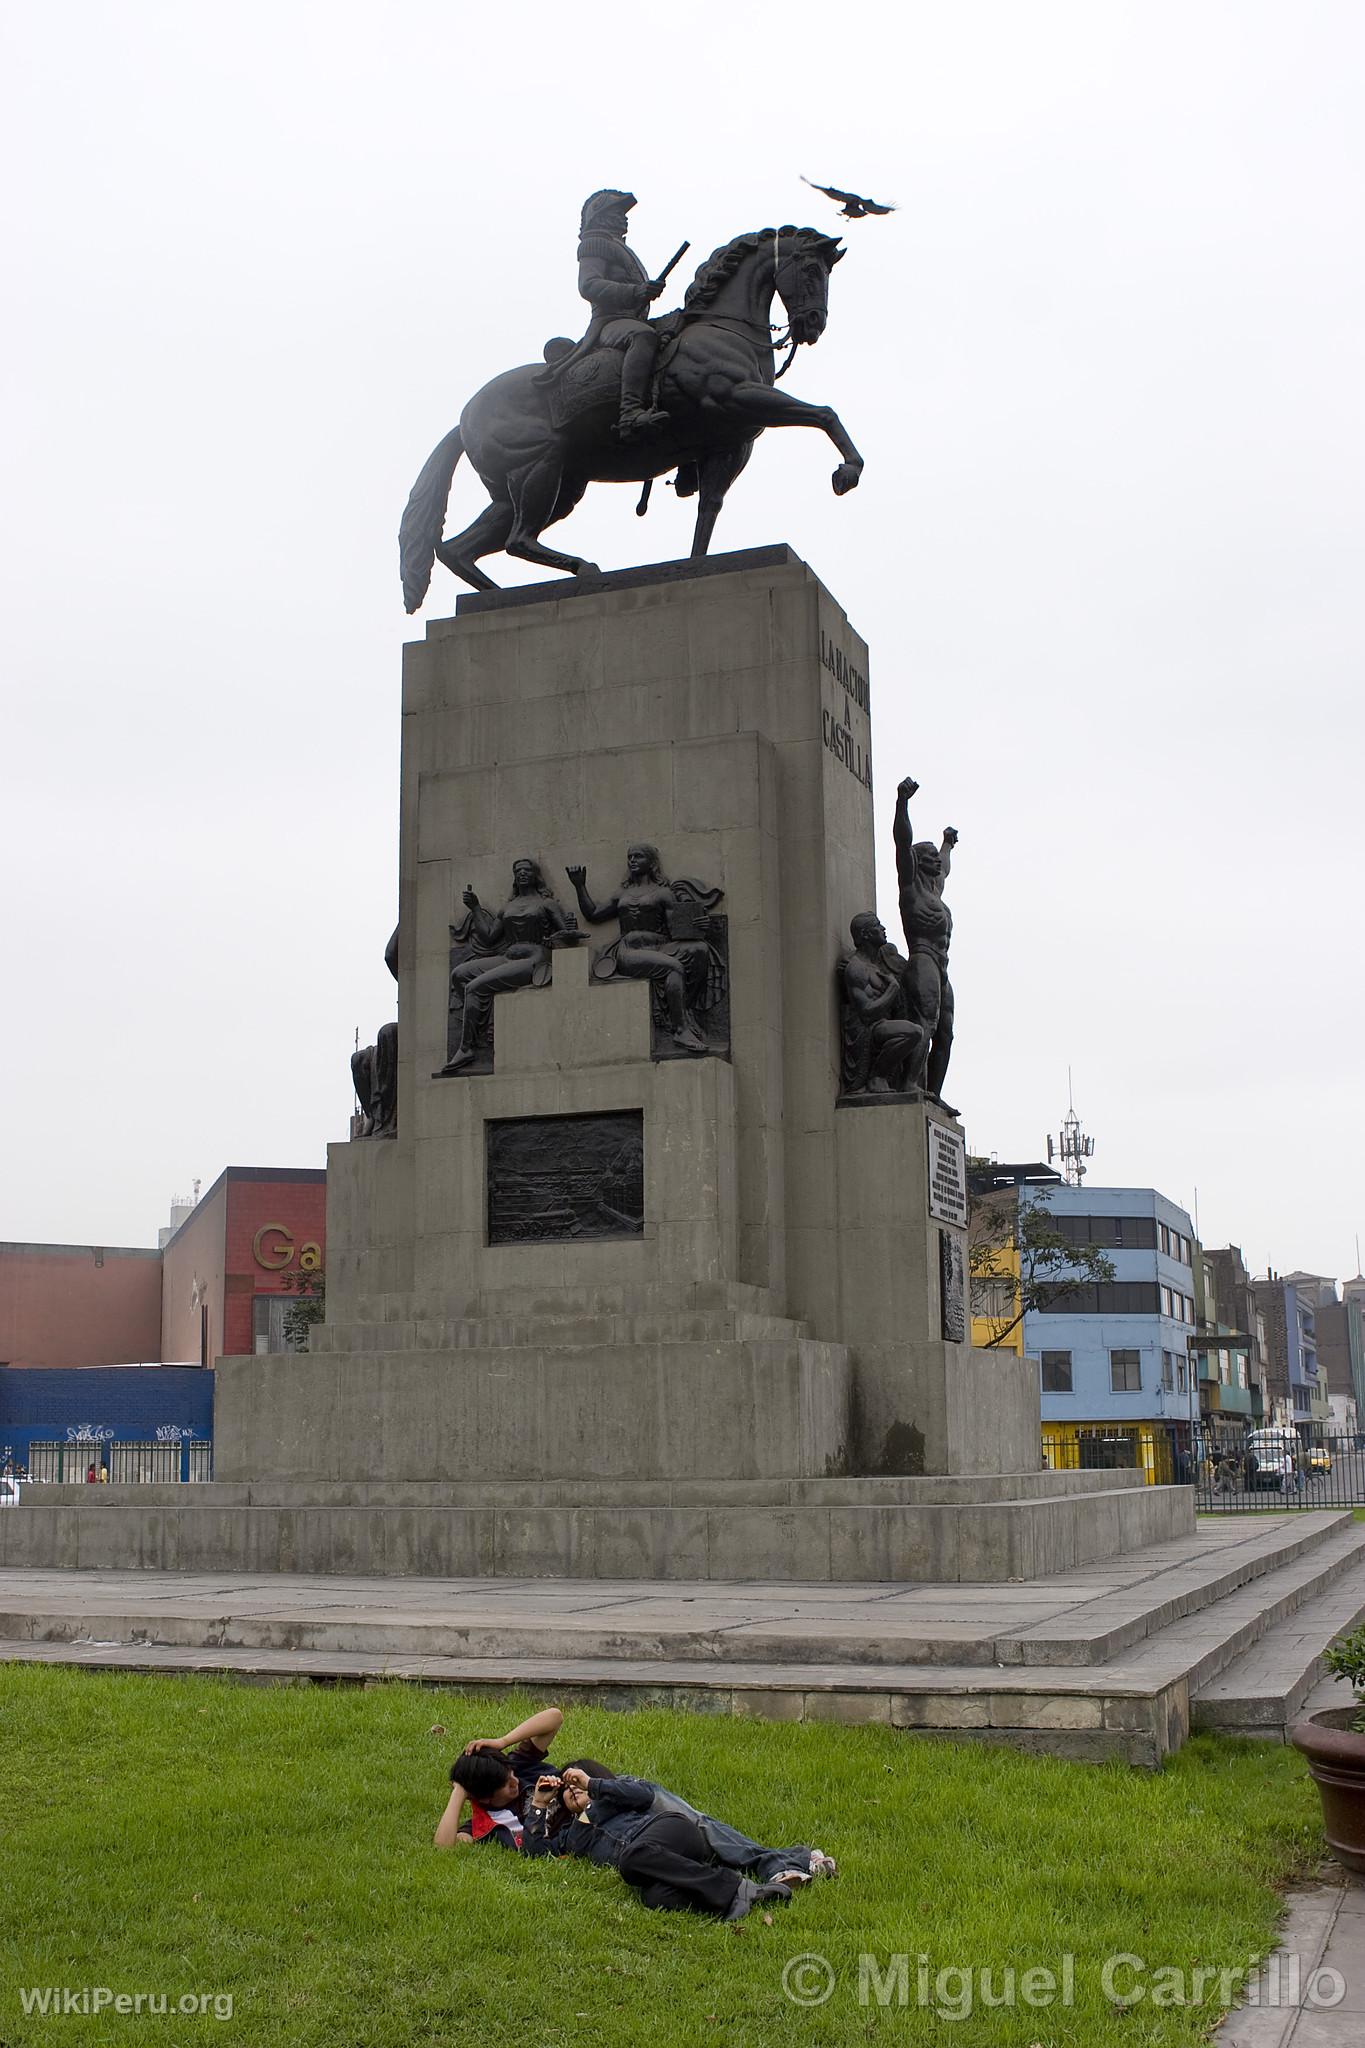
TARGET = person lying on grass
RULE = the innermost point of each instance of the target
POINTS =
(667, 1852)
(493, 1777)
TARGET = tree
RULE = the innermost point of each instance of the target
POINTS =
(1016, 1248)
(307, 1310)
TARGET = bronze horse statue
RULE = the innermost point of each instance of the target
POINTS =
(538, 436)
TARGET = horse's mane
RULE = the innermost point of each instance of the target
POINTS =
(721, 265)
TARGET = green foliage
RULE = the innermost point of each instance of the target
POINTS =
(308, 1309)
(274, 1845)
(1346, 1659)
(1051, 1268)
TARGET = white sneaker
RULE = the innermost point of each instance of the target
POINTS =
(822, 1865)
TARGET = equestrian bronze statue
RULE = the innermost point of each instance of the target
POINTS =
(634, 399)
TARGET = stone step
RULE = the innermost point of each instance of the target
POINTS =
(1188, 1655)
(853, 1490)
(684, 1297)
(718, 1539)
(557, 1332)
(1104, 1629)
(1065, 1715)
(1272, 1683)
(869, 1626)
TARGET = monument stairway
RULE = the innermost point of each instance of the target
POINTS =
(1224, 1630)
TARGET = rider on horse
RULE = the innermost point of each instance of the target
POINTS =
(620, 291)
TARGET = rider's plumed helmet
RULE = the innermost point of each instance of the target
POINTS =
(603, 203)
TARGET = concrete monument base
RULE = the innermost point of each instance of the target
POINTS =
(634, 1293)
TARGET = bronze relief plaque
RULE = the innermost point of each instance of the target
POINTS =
(557, 1179)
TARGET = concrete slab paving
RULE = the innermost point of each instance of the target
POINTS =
(1313, 1987)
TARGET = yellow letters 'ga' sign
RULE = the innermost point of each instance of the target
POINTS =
(272, 1256)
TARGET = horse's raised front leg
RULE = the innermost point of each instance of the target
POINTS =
(761, 405)
(534, 494)
(717, 473)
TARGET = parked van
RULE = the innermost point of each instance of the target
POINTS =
(1278, 1457)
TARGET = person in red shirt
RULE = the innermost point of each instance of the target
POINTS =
(494, 1777)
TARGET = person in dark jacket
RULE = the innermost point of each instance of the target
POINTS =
(661, 1845)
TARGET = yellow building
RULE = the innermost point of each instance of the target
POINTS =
(993, 1258)
(997, 1314)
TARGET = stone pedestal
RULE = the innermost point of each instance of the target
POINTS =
(735, 1280)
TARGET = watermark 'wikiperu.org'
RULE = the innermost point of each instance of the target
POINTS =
(954, 1991)
(68, 2001)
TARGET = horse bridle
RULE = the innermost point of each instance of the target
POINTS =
(781, 338)
(777, 336)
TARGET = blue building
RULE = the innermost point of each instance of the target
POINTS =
(132, 1422)
(1118, 1351)
(1288, 1303)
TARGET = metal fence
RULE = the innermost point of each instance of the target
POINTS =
(67, 1464)
(1229, 1466)
(1153, 1449)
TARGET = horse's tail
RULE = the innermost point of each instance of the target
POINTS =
(424, 517)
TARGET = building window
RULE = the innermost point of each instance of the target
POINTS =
(1125, 1372)
(1181, 1385)
(1168, 1371)
(268, 1312)
(1057, 1372)
(1126, 1233)
(1163, 1238)
(1166, 1308)
(1109, 1298)
(993, 1298)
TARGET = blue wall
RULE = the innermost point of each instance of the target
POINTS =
(1301, 1325)
(1090, 1339)
(125, 1404)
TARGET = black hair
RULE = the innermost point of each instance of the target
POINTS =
(482, 1774)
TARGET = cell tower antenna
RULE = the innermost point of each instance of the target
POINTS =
(1071, 1146)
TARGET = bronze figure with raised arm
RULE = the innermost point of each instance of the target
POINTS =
(514, 952)
(921, 868)
(645, 904)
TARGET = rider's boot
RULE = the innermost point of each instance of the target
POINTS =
(638, 416)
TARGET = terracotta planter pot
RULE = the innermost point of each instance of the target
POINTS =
(1336, 1759)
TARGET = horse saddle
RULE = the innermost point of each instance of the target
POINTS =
(581, 376)
(579, 380)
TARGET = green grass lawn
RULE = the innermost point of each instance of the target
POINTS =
(197, 1835)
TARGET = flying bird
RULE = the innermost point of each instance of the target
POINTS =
(853, 207)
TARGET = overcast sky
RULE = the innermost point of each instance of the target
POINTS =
(1105, 366)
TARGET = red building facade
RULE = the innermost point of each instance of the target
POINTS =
(233, 1266)
(220, 1285)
